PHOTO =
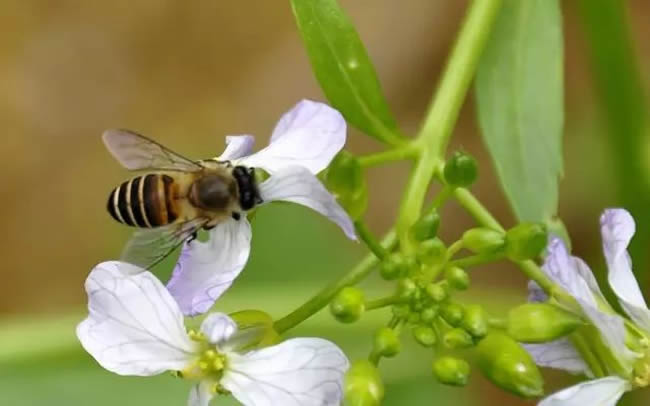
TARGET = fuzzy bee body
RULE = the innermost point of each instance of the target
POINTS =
(170, 204)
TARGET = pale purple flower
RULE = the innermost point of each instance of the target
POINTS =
(135, 327)
(303, 143)
(571, 273)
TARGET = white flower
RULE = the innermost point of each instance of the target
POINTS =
(303, 143)
(135, 327)
(571, 273)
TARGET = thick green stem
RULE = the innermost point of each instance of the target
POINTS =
(443, 112)
(382, 302)
(476, 209)
(322, 298)
(399, 153)
(369, 239)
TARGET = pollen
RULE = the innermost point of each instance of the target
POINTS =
(641, 377)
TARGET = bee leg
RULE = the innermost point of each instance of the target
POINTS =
(236, 215)
(208, 228)
(193, 237)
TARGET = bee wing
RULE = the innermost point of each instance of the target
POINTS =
(149, 246)
(136, 152)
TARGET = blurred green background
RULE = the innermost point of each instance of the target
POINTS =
(187, 74)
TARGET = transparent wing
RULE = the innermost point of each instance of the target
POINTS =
(137, 152)
(149, 246)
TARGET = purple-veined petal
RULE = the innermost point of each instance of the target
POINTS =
(237, 146)
(200, 394)
(297, 372)
(206, 269)
(617, 228)
(571, 273)
(218, 327)
(134, 326)
(296, 184)
(600, 392)
(558, 354)
(309, 135)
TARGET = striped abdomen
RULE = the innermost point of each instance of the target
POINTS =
(144, 201)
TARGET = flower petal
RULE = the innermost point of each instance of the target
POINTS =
(558, 354)
(309, 135)
(612, 330)
(617, 228)
(237, 146)
(298, 185)
(297, 372)
(206, 269)
(134, 326)
(535, 293)
(200, 394)
(600, 392)
(218, 327)
(571, 273)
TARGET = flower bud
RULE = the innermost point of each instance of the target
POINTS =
(363, 385)
(386, 343)
(540, 322)
(406, 289)
(452, 313)
(457, 338)
(393, 267)
(344, 178)
(451, 371)
(526, 241)
(460, 170)
(509, 366)
(431, 251)
(482, 240)
(348, 305)
(426, 227)
(401, 311)
(424, 335)
(428, 315)
(458, 279)
(475, 321)
(437, 291)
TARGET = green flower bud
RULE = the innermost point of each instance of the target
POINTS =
(452, 313)
(363, 385)
(414, 318)
(345, 179)
(437, 291)
(483, 240)
(393, 267)
(460, 170)
(451, 371)
(386, 343)
(526, 241)
(475, 321)
(540, 322)
(426, 227)
(406, 289)
(428, 315)
(457, 278)
(348, 305)
(509, 366)
(457, 338)
(425, 335)
(431, 251)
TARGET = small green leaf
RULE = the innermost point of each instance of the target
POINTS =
(520, 104)
(343, 69)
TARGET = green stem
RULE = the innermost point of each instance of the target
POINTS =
(443, 111)
(476, 209)
(322, 298)
(382, 302)
(474, 260)
(369, 239)
(399, 153)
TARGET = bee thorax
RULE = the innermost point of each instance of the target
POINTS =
(212, 192)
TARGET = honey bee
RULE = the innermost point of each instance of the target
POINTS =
(176, 198)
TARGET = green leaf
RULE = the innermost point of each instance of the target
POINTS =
(343, 69)
(520, 104)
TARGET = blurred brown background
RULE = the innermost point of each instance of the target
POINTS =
(187, 74)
